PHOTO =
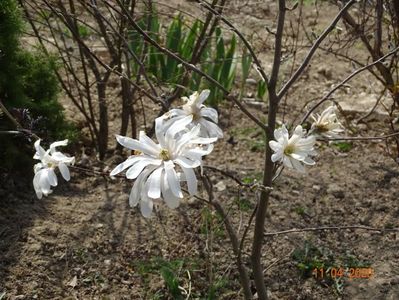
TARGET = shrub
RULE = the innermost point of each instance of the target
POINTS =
(27, 81)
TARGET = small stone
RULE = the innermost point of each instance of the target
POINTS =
(316, 187)
(335, 190)
(220, 186)
(251, 81)
(327, 73)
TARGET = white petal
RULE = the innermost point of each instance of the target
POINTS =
(163, 123)
(58, 144)
(297, 165)
(138, 167)
(146, 204)
(143, 138)
(136, 145)
(124, 165)
(36, 185)
(281, 134)
(170, 199)
(191, 180)
(275, 146)
(154, 184)
(202, 97)
(178, 126)
(186, 163)
(203, 140)
(64, 171)
(173, 181)
(210, 113)
(287, 162)
(51, 177)
(186, 137)
(44, 183)
(212, 129)
(277, 156)
(39, 150)
(309, 161)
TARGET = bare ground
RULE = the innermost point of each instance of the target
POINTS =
(84, 242)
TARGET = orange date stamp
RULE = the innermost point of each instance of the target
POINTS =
(340, 272)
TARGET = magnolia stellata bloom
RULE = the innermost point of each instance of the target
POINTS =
(327, 123)
(205, 116)
(293, 151)
(51, 159)
(154, 168)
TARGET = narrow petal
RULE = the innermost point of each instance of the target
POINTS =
(186, 137)
(203, 140)
(212, 129)
(124, 165)
(44, 183)
(138, 167)
(57, 144)
(170, 199)
(191, 179)
(143, 138)
(202, 97)
(173, 181)
(51, 177)
(136, 145)
(36, 186)
(39, 150)
(138, 185)
(64, 171)
(186, 163)
(178, 126)
(154, 184)
(210, 113)
(146, 204)
(277, 157)
(275, 146)
(281, 134)
(297, 165)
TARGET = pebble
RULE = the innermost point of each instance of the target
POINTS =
(335, 190)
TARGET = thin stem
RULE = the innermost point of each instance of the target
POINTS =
(343, 82)
(312, 50)
(348, 227)
(15, 122)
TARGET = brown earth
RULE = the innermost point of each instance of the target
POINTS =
(84, 242)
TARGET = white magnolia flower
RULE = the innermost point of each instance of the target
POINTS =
(45, 176)
(293, 151)
(205, 116)
(155, 167)
(327, 123)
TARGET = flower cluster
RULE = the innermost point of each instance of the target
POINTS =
(183, 136)
(51, 159)
(295, 151)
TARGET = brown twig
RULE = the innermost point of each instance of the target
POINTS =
(346, 227)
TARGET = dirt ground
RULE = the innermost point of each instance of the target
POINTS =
(85, 242)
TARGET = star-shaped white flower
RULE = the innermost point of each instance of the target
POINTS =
(293, 151)
(205, 116)
(327, 124)
(155, 167)
(51, 159)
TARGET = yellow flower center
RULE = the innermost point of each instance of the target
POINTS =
(164, 154)
(322, 127)
(196, 116)
(289, 149)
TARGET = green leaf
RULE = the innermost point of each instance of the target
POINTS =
(261, 90)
